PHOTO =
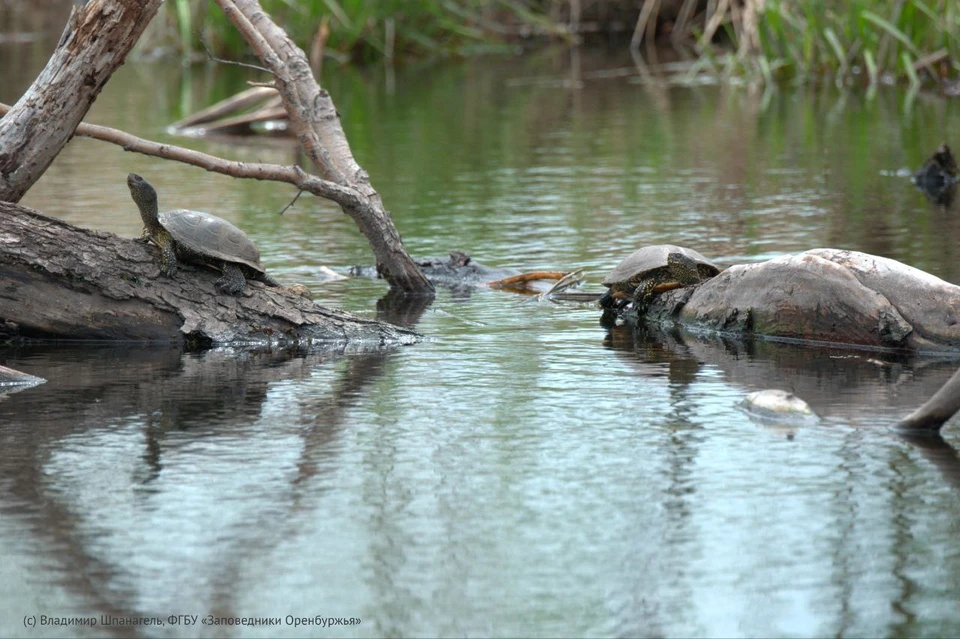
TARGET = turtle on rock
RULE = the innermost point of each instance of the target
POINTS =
(654, 269)
(198, 238)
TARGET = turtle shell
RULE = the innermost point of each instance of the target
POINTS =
(646, 261)
(211, 236)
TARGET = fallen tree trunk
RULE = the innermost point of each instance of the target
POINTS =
(58, 281)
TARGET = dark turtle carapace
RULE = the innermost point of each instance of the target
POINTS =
(198, 238)
(938, 178)
(651, 270)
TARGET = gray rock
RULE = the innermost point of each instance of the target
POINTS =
(827, 295)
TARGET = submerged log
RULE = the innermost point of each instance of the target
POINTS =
(459, 272)
(58, 281)
(11, 379)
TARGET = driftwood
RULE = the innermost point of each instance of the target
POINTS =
(460, 272)
(228, 107)
(235, 115)
(523, 280)
(61, 281)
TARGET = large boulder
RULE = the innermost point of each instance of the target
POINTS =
(825, 295)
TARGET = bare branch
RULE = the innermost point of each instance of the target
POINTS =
(342, 195)
(314, 119)
(292, 202)
(233, 62)
(279, 54)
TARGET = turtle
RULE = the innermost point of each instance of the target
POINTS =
(937, 172)
(654, 269)
(198, 238)
(937, 178)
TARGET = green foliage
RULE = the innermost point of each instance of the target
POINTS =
(368, 30)
(867, 39)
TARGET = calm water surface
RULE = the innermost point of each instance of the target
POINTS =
(521, 471)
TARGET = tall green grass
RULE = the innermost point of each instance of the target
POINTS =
(851, 41)
(368, 30)
(859, 40)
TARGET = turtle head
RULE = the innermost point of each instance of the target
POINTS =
(945, 160)
(146, 198)
(683, 268)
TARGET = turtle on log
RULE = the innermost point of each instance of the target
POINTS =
(198, 238)
(654, 269)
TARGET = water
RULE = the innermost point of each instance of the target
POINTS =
(521, 471)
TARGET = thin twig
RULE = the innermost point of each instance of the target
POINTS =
(233, 62)
(686, 10)
(292, 202)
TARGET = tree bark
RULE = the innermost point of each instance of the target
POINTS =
(60, 281)
(94, 43)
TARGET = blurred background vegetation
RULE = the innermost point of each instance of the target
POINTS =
(847, 41)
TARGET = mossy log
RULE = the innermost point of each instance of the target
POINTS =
(58, 281)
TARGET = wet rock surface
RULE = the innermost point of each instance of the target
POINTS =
(823, 295)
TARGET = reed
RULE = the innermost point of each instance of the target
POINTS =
(369, 30)
(860, 41)
(850, 41)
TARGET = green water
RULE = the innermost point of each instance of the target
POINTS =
(521, 471)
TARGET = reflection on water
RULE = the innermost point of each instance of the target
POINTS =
(522, 471)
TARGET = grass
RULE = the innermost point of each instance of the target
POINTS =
(364, 31)
(849, 41)
(858, 41)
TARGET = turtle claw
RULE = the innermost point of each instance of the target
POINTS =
(228, 287)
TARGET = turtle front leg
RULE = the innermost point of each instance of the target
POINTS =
(168, 255)
(642, 297)
(233, 282)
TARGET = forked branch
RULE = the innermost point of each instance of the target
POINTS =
(316, 123)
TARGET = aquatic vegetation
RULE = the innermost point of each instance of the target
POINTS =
(860, 41)
(368, 30)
